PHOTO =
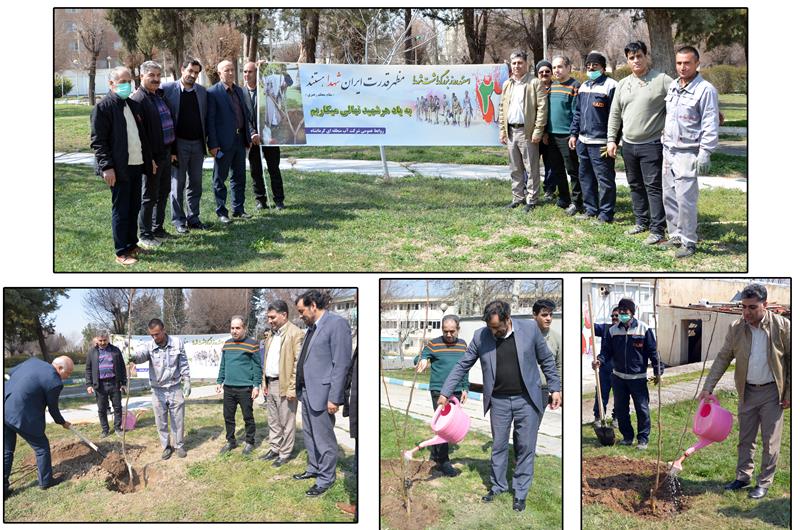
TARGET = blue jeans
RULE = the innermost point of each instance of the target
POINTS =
(231, 161)
(596, 174)
(41, 447)
(624, 390)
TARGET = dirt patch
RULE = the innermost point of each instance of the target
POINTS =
(424, 502)
(624, 485)
(119, 479)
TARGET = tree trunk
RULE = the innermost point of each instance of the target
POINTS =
(408, 38)
(92, 75)
(42, 344)
(309, 32)
(475, 33)
(662, 45)
(252, 37)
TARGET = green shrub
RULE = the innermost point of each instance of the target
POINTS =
(13, 360)
(57, 86)
(620, 72)
(78, 357)
(727, 79)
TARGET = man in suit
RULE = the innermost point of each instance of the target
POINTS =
(106, 376)
(161, 133)
(230, 133)
(33, 386)
(281, 348)
(188, 102)
(321, 374)
(511, 352)
(272, 153)
(122, 158)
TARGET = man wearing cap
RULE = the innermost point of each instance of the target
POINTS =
(544, 73)
(761, 343)
(638, 112)
(630, 344)
(691, 133)
(588, 133)
(523, 116)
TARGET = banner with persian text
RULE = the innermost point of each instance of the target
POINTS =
(342, 104)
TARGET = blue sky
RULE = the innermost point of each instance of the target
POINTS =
(70, 319)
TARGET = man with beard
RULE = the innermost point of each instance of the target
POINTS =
(442, 354)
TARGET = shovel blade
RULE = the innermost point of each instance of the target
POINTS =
(605, 435)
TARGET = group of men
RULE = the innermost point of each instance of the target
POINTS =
(150, 146)
(521, 365)
(759, 342)
(666, 129)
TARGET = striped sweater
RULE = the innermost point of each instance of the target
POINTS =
(442, 358)
(240, 364)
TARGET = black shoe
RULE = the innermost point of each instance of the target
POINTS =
(303, 476)
(270, 455)
(105, 434)
(279, 462)
(260, 205)
(736, 485)
(280, 206)
(489, 497)
(513, 204)
(227, 447)
(519, 505)
(242, 215)
(315, 491)
(162, 234)
(529, 207)
(685, 251)
(167, 453)
(248, 448)
(758, 492)
(198, 226)
(8, 493)
(447, 469)
(548, 197)
(182, 229)
(55, 481)
(181, 452)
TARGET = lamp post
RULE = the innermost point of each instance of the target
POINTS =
(108, 62)
(77, 65)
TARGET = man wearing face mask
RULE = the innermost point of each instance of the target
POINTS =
(588, 133)
(630, 344)
(511, 352)
(761, 344)
(161, 132)
(638, 111)
(122, 157)
(691, 133)
(188, 102)
(442, 353)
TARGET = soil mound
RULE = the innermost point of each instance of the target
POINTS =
(624, 485)
(424, 503)
(118, 478)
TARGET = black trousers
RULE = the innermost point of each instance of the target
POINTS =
(441, 452)
(643, 171)
(108, 388)
(564, 161)
(231, 397)
(126, 198)
(272, 154)
(155, 195)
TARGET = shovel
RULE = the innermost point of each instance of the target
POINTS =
(604, 433)
(86, 441)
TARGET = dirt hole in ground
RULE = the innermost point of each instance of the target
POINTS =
(424, 501)
(624, 484)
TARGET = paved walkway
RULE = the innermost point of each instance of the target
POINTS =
(547, 443)
(671, 393)
(88, 413)
(407, 169)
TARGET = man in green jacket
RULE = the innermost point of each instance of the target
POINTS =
(240, 378)
(442, 353)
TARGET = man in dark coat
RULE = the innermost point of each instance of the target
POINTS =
(106, 377)
(33, 386)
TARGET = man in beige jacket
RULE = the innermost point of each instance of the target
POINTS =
(523, 117)
(761, 344)
(281, 349)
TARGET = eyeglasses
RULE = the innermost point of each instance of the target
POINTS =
(614, 317)
(545, 72)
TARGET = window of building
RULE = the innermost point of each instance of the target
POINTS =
(73, 46)
(71, 27)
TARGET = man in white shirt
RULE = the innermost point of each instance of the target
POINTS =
(280, 351)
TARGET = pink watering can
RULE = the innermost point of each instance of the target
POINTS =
(130, 421)
(450, 423)
(712, 423)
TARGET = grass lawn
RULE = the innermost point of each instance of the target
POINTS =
(408, 375)
(202, 487)
(734, 106)
(459, 497)
(703, 477)
(357, 223)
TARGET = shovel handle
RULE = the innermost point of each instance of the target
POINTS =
(85, 439)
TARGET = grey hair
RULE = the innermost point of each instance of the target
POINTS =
(103, 333)
(149, 66)
(755, 290)
(564, 58)
(115, 72)
(240, 318)
(452, 318)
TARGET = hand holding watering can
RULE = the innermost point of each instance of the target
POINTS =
(450, 423)
(712, 423)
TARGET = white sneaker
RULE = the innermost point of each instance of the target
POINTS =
(149, 244)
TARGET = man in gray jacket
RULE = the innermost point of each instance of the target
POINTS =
(169, 368)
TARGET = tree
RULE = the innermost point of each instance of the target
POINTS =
(88, 333)
(108, 308)
(309, 33)
(168, 29)
(61, 86)
(475, 27)
(92, 27)
(27, 315)
(145, 307)
(210, 310)
(712, 27)
(174, 310)
(408, 41)
(662, 45)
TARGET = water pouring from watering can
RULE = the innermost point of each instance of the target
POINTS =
(712, 423)
(450, 424)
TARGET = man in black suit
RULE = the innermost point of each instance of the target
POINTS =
(106, 377)
(272, 153)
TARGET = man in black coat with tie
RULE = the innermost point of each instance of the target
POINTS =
(34, 385)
